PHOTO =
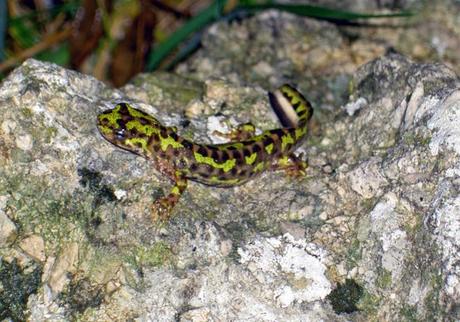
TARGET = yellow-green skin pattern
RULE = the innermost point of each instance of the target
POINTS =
(220, 165)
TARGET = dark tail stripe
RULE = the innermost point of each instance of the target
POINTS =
(280, 111)
(291, 107)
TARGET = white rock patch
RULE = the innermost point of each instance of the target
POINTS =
(292, 269)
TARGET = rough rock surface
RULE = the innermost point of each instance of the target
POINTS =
(371, 233)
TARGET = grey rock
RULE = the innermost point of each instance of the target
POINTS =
(8, 230)
(34, 246)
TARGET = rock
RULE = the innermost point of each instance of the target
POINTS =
(64, 265)
(196, 315)
(290, 270)
(373, 225)
(8, 230)
(367, 180)
(34, 246)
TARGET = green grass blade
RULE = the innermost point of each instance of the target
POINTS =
(186, 50)
(198, 22)
(3, 19)
(320, 12)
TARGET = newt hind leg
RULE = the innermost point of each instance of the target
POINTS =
(293, 165)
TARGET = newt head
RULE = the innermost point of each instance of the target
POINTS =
(128, 128)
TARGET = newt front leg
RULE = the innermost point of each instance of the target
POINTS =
(162, 208)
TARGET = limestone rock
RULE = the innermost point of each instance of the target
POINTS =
(34, 246)
(8, 230)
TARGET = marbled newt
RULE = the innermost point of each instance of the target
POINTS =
(221, 165)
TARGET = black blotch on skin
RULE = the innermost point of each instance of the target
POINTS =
(239, 157)
(134, 132)
(152, 140)
(187, 144)
(225, 156)
(203, 151)
(205, 174)
(278, 132)
(287, 96)
(301, 113)
(237, 154)
(247, 152)
(267, 141)
(215, 155)
(174, 135)
(121, 123)
(103, 121)
(240, 161)
(123, 107)
(143, 121)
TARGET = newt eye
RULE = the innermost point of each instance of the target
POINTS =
(120, 134)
